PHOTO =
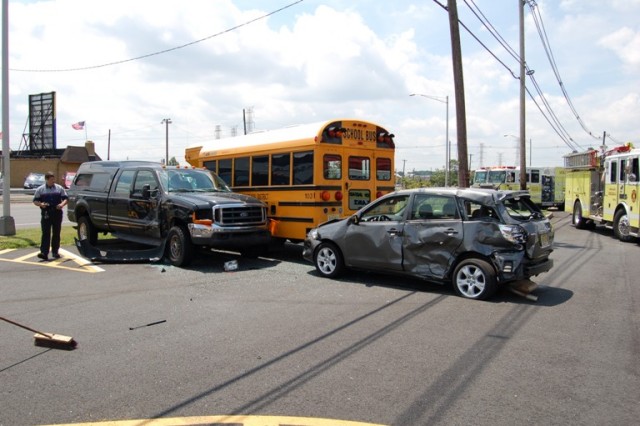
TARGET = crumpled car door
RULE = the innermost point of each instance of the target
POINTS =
(432, 236)
(374, 245)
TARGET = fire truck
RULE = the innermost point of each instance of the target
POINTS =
(545, 184)
(601, 187)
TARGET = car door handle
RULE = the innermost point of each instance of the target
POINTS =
(451, 231)
(394, 231)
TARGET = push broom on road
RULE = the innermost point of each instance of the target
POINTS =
(47, 340)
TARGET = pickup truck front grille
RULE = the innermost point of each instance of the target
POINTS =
(239, 215)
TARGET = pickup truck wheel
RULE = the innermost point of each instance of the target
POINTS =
(621, 226)
(179, 247)
(328, 260)
(86, 230)
(474, 279)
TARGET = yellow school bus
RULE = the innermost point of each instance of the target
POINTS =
(306, 174)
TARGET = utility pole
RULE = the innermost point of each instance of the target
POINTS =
(458, 81)
(523, 151)
(166, 121)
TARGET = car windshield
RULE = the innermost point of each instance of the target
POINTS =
(192, 180)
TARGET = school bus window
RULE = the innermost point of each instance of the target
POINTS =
(332, 166)
(280, 169)
(260, 170)
(224, 170)
(211, 165)
(303, 168)
(241, 171)
(383, 168)
(359, 168)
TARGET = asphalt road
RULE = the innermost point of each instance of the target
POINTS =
(275, 339)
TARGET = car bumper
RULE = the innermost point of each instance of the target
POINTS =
(308, 248)
(531, 270)
(512, 266)
(232, 240)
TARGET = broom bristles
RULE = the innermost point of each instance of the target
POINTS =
(54, 341)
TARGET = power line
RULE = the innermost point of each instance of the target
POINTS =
(537, 17)
(557, 127)
(161, 51)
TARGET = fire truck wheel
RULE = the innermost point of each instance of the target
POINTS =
(577, 220)
(621, 228)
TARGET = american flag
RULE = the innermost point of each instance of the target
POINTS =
(78, 126)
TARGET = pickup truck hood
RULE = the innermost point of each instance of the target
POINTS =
(203, 199)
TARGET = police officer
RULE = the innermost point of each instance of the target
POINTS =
(51, 198)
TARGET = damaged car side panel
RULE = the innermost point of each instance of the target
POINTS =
(430, 248)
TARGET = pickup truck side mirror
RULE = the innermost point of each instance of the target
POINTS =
(146, 191)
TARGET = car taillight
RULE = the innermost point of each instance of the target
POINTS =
(514, 233)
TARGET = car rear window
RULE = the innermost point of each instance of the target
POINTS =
(521, 208)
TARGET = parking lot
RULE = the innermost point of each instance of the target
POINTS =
(273, 340)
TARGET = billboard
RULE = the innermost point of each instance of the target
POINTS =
(42, 122)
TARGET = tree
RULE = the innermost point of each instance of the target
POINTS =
(173, 162)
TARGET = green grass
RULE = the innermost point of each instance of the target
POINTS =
(30, 237)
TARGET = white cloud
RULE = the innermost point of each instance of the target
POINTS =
(318, 61)
(625, 42)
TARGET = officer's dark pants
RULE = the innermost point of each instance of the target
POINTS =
(51, 223)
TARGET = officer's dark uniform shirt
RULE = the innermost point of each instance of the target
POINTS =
(50, 195)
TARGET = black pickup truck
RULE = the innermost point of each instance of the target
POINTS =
(171, 208)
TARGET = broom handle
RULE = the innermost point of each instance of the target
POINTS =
(24, 326)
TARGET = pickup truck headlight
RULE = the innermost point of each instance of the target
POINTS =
(514, 233)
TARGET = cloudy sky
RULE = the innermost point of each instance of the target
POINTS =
(124, 66)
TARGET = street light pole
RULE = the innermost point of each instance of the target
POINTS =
(166, 121)
(7, 223)
(447, 152)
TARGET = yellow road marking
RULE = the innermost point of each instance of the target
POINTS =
(236, 420)
(83, 265)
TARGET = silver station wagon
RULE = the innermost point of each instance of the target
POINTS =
(474, 239)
